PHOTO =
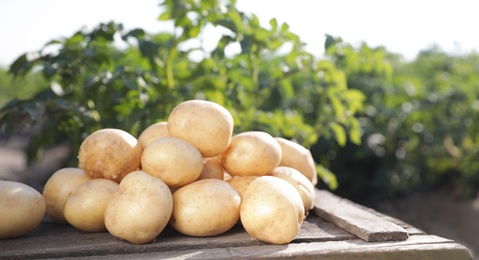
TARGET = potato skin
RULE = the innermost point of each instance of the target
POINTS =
(272, 210)
(175, 161)
(153, 132)
(58, 189)
(85, 208)
(205, 124)
(241, 183)
(302, 184)
(109, 153)
(22, 209)
(140, 209)
(298, 157)
(212, 169)
(251, 153)
(206, 207)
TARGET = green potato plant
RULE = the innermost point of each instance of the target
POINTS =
(272, 84)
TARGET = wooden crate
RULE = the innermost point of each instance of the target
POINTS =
(335, 229)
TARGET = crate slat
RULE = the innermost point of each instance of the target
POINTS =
(354, 219)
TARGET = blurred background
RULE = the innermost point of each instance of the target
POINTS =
(384, 94)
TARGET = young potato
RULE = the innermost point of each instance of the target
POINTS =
(140, 209)
(85, 208)
(58, 189)
(205, 124)
(272, 210)
(300, 183)
(226, 176)
(205, 208)
(109, 153)
(251, 153)
(298, 157)
(241, 183)
(153, 132)
(212, 169)
(21, 209)
(175, 161)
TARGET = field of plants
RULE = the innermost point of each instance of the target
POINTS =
(375, 123)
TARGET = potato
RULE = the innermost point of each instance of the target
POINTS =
(212, 169)
(140, 209)
(205, 124)
(251, 153)
(300, 183)
(153, 132)
(85, 208)
(58, 189)
(22, 209)
(241, 183)
(175, 161)
(226, 176)
(298, 157)
(272, 210)
(109, 153)
(205, 208)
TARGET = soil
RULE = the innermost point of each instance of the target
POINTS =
(435, 213)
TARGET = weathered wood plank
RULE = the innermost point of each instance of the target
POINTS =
(417, 247)
(354, 219)
(55, 240)
(410, 229)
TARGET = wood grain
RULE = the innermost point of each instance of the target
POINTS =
(53, 240)
(354, 219)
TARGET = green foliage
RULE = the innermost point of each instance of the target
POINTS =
(272, 84)
(418, 122)
(375, 124)
(21, 88)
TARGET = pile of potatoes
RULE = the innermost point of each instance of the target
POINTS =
(190, 172)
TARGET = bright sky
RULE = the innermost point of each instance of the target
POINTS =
(405, 27)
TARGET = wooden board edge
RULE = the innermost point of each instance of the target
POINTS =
(426, 247)
(355, 219)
